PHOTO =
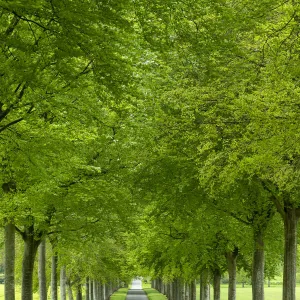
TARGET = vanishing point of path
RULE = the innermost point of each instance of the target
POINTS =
(136, 292)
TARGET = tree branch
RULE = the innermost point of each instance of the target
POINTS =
(4, 113)
(12, 25)
(22, 233)
(273, 198)
(10, 124)
(32, 21)
(235, 216)
(16, 121)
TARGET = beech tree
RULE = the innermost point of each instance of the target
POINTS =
(238, 68)
(185, 107)
(51, 58)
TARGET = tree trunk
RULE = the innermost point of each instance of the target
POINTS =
(187, 291)
(100, 290)
(174, 289)
(103, 289)
(258, 267)
(87, 289)
(95, 292)
(30, 249)
(79, 292)
(290, 253)
(178, 295)
(193, 290)
(110, 289)
(70, 292)
(162, 286)
(169, 291)
(9, 263)
(231, 262)
(91, 289)
(204, 285)
(217, 284)
(54, 277)
(63, 281)
(158, 287)
(42, 271)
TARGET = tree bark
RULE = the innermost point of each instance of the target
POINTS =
(186, 291)
(54, 277)
(91, 289)
(193, 290)
(63, 280)
(174, 289)
(100, 290)
(204, 285)
(103, 291)
(258, 267)
(169, 291)
(30, 249)
(70, 292)
(217, 284)
(178, 295)
(231, 262)
(42, 271)
(290, 253)
(9, 239)
(79, 292)
(110, 289)
(9, 263)
(158, 284)
(162, 286)
(95, 291)
(87, 289)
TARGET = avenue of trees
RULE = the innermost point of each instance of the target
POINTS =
(149, 137)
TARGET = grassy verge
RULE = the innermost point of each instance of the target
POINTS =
(271, 293)
(152, 294)
(18, 293)
(146, 285)
(120, 294)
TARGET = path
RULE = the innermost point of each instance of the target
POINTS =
(136, 292)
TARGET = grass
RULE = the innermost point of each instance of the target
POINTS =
(271, 293)
(153, 294)
(18, 293)
(146, 285)
(120, 294)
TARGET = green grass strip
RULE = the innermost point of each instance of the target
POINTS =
(120, 294)
(153, 294)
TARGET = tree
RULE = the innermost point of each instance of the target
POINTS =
(240, 70)
(60, 53)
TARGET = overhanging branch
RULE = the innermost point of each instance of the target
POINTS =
(274, 198)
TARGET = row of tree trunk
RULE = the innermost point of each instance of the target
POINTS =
(176, 290)
(94, 290)
(181, 290)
